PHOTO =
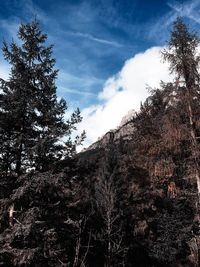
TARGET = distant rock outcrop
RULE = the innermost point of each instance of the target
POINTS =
(123, 131)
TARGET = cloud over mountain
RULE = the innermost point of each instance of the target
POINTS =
(124, 91)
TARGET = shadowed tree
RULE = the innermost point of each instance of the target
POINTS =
(32, 119)
(108, 194)
(184, 62)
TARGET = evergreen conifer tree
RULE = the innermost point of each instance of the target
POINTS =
(182, 54)
(32, 119)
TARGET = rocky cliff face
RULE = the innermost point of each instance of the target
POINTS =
(123, 132)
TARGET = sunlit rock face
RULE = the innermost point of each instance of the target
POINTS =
(123, 131)
(128, 117)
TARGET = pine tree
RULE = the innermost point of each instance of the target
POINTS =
(32, 119)
(184, 62)
(7, 135)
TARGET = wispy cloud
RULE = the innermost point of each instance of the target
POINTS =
(159, 29)
(96, 39)
(190, 9)
(84, 81)
(76, 92)
(10, 28)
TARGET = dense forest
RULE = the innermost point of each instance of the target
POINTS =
(130, 199)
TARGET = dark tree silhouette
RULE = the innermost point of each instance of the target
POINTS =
(32, 119)
(184, 62)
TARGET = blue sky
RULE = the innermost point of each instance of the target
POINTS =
(93, 39)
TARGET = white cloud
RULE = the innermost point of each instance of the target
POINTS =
(189, 9)
(96, 39)
(124, 92)
(76, 92)
(4, 70)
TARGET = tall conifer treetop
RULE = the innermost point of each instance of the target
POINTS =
(182, 53)
(183, 57)
(29, 97)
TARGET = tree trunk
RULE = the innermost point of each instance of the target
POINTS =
(195, 152)
(19, 160)
(194, 144)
